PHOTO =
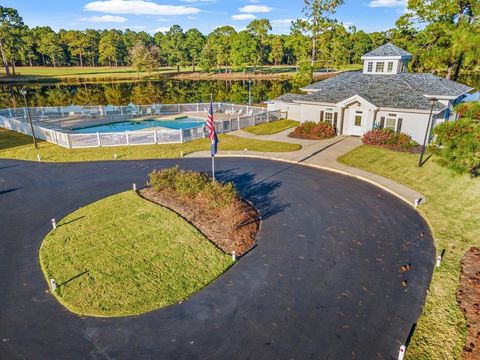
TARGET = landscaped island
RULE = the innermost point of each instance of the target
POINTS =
(124, 255)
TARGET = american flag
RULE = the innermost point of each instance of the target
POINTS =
(211, 128)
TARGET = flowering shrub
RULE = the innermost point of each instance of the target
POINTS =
(389, 138)
(313, 130)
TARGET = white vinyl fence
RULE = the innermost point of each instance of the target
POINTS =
(47, 123)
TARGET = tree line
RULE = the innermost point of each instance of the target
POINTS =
(444, 39)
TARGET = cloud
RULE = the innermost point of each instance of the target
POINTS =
(387, 3)
(282, 21)
(104, 18)
(139, 7)
(255, 9)
(197, 1)
(161, 29)
(243, 17)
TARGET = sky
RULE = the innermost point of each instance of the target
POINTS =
(158, 15)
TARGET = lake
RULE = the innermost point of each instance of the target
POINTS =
(143, 92)
(166, 91)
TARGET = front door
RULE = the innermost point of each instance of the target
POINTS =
(357, 123)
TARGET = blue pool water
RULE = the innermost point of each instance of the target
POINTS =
(177, 124)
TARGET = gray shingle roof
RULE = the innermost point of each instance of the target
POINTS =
(290, 97)
(387, 50)
(405, 90)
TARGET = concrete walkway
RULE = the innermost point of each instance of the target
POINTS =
(321, 154)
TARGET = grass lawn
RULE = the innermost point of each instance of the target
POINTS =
(39, 73)
(14, 145)
(124, 255)
(272, 127)
(452, 211)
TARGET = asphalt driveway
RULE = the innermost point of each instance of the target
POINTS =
(324, 281)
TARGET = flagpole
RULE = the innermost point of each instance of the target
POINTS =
(213, 155)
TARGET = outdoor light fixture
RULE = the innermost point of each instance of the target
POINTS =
(420, 161)
(24, 93)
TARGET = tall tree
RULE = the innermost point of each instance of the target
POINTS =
(259, 29)
(451, 35)
(244, 50)
(111, 47)
(11, 24)
(317, 20)
(276, 49)
(194, 42)
(175, 46)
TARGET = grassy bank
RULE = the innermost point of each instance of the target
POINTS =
(43, 74)
(124, 255)
(272, 127)
(14, 145)
(452, 211)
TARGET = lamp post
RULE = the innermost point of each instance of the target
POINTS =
(24, 93)
(249, 92)
(427, 131)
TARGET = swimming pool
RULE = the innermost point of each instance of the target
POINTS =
(177, 124)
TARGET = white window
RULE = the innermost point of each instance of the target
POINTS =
(370, 66)
(390, 66)
(391, 122)
(328, 117)
(379, 66)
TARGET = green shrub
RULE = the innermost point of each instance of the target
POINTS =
(164, 178)
(458, 146)
(193, 185)
(470, 110)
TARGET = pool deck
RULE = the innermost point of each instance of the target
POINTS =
(70, 122)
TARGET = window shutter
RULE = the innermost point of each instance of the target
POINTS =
(382, 122)
(399, 125)
(321, 115)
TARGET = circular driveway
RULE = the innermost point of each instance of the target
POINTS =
(323, 282)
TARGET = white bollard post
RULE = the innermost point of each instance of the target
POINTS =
(401, 353)
(417, 201)
(181, 153)
(234, 256)
(115, 155)
(39, 158)
(53, 285)
(439, 260)
(134, 187)
(54, 224)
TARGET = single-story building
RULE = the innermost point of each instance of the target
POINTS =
(383, 95)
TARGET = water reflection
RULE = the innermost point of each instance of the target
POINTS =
(143, 92)
(156, 91)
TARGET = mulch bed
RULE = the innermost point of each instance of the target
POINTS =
(232, 228)
(468, 297)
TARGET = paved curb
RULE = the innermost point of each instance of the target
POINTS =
(328, 168)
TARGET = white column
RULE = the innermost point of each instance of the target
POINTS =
(126, 136)
(98, 139)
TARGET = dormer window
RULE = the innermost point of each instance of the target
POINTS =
(387, 59)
